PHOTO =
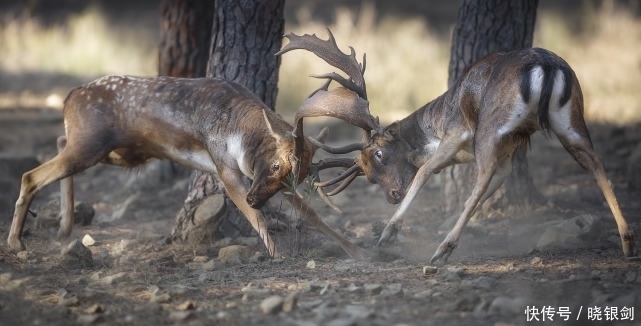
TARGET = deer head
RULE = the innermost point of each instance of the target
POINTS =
(288, 155)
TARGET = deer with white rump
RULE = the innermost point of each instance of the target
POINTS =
(208, 124)
(494, 108)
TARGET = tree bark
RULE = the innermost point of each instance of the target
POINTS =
(484, 27)
(245, 35)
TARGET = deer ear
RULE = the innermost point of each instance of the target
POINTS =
(269, 126)
(393, 131)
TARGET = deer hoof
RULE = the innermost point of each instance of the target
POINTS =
(443, 252)
(15, 244)
(627, 243)
(63, 233)
(389, 232)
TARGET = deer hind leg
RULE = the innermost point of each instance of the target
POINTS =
(73, 158)
(575, 138)
(66, 198)
(237, 192)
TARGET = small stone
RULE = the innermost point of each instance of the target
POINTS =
(210, 265)
(161, 298)
(88, 240)
(187, 305)
(423, 294)
(392, 290)
(180, 315)
(430, 270)
(88, 319)
(23, 255)
(373, 288)
(311, 264)
(272, 305)
(234, 254)
(200, 259)
(253, 290)
(536, 261)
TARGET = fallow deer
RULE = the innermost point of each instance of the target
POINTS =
(208, 124)
(494, 107)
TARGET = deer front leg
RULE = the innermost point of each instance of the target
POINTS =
(310, 215)
(237, 191)
(441, 159)
(488, 180)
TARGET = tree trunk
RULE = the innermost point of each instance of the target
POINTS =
(245, 35)
(484, 27)
(185, 37)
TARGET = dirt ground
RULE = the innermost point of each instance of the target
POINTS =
(560, 260)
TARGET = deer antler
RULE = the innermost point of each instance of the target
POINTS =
(348, 103)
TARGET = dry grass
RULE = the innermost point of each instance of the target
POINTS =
(407, 62)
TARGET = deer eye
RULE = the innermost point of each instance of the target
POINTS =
(275, 166)
(378, 154)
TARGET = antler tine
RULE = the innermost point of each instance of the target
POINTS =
(337, 150)
(353, 169)
(348, 180)
(328, 51)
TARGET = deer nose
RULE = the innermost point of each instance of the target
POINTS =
(396, 195)
(252, 201)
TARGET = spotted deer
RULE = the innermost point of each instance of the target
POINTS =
(208, 124)
(494, 107)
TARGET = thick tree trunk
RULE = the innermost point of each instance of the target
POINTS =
(245, 35)
(484, 27)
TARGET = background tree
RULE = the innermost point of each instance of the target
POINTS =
(244, 37)
(484, 27)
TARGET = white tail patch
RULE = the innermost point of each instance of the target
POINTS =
(561, 116)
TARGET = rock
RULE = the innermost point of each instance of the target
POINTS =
(507, 306)
(77, 255)
(187, 305)
(272, 305)
(536, 261)
(88, 240)
(392, 290)
(570, 233)
(252, 289)
(358, 311)
(290, 302)
(311, 264)
(88, 319)
(234, 254)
